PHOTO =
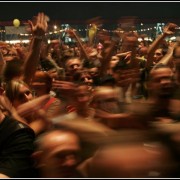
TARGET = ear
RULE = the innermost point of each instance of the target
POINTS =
(37, 157)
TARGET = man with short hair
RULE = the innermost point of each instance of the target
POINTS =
(57, 154)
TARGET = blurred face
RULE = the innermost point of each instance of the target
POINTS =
(130, 161)
(158, 55)
(23, 96)
(83, 95)
(93, 72)
(107, 101)
(61, 154)
(162, 82)
(87, 79)
(114, 60)
(73, 65)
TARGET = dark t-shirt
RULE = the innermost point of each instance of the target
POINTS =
(176, 94)
(16, 147)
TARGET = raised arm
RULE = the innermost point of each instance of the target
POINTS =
(166, 60)
(169, 29)
(38, 31)
(2, 63)
(83, 50)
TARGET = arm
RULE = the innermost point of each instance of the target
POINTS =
(166, 59)
(110, 45)
(130, 40)
(168, 30)
(73, 33)
(3, 176)
(31, 62)
(2, 63)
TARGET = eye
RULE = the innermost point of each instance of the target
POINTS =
(21, 95)
(27, 92)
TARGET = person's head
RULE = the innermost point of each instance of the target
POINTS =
(143, 51)
(41, 83)
(73, 65)
(82, 95)
(131, 160)
(93, 71)
(93, 54)
(114, 60)
(57, 154)
(161, 81)
(176, 56)
(106, 98)
(84, 77)
(18, 92)
(158, 54)
(13, 70)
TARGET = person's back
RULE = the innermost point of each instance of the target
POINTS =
(16, 147)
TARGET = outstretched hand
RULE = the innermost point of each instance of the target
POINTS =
(39, 28)
(170, 28)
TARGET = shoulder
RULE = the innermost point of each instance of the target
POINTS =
(11, 128)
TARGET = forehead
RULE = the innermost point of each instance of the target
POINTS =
(158, 50)
(161, 72)
(105, 94)
(73, 61)
(60, 140)
(23, 88)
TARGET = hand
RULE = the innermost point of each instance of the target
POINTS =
(170, 29)
(71, 33)
(31, 106)
(67, 89)
(40, 26)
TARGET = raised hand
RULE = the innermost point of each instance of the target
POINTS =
(39, 27)
(170, 28)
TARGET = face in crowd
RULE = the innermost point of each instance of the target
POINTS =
(158, 55)
(106, 99)
(58, 154)
(18, 93)
(162, 82)
(73, 65)
(114, 60)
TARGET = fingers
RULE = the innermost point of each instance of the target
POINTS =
(41, 25)
(30, 24)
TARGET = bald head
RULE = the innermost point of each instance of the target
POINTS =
(59, 154)
(59, 138)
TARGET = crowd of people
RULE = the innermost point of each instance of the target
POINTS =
(108, 108)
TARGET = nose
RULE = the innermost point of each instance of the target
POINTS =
(70, 161)
(75, 67)
(86, 80)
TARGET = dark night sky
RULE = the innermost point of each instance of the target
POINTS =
(80, 11)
